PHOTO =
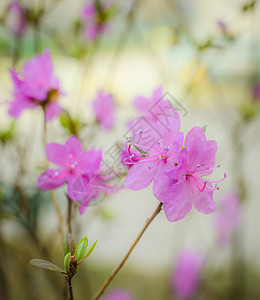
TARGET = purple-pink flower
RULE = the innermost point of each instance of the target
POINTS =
(72, 163)
(104, 108)
(156, 150)
(185, 278)
(37, 87)
(16, 19)
(228, 219)
(118, 294)
(94, 19)
(187, 185)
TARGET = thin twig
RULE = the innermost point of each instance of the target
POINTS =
(113, 274)
(69, 281)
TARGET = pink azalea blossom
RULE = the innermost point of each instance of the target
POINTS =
(185, 278)
(104, 108)
(153, 159)
(16, 19)
(72, 162)
(228, 219)
(94, 19)
(38, 87)
(154, 107)
(187, 185)
(118, 294)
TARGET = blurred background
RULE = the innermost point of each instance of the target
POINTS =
(205, 56)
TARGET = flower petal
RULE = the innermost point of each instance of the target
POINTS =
(51, 179)
(90, 161)
(56, 154)
(139, 177)
(178, 201)
(73, 147)
(203, 202)
(53, 110)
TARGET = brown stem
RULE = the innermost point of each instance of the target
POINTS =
(69, 214)
(69, 281)
(113, 274)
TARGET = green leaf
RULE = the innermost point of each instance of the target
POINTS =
(81, 248)
(90, 250)
(67, 262)
(68, 244)
(204, 128)
(44, 264)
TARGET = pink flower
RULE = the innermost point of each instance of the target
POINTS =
(38, 87)
(154, 107)
(95, 17)
(72, 162)
(158, 148)
(256, 92)
(16, 21)
(187, 185)
(117, 294)
(186, 275)
(104, 108)
(228, 219)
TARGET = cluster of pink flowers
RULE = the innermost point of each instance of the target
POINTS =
(186, 275)
(80, 170)
(37, 87)
(155, 153)
(94, 17)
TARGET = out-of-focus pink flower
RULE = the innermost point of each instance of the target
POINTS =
(118, 294)
(16, 19)
(185, 278)
(38, 87)
(154, 107)
(156, 149)
(95, 19)
(256, 91)
(104, 108)
(228, 219)
(72, 162)
(187, 185)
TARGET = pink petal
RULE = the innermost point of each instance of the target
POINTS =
(90, 161)
(144, 133)
(161, 181)
(51, 179)
(18, 105)
(52, 110)
(73, 147)
(139, 177)
(56, 154)
(203, 202)
(142, 104)
(199, 150)
(178, 201)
